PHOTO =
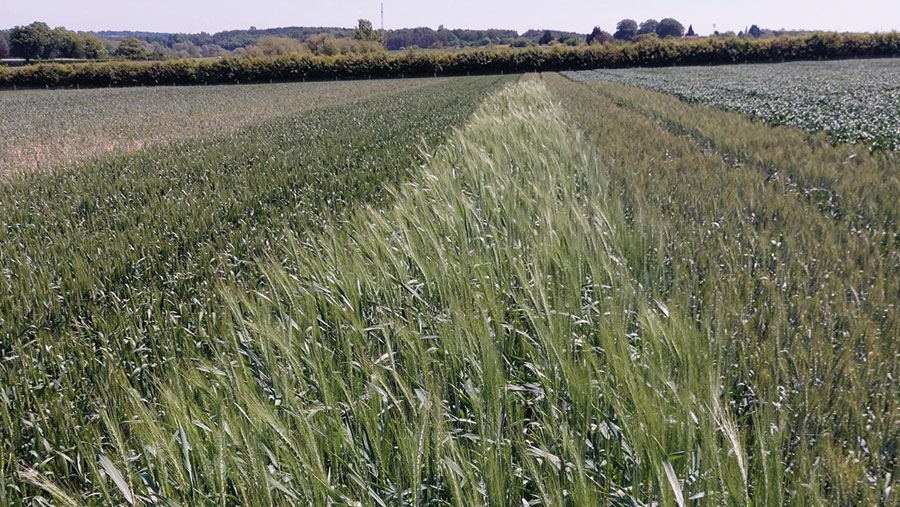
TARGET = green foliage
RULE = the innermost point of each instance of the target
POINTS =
(39, 41)
(853, 101)
(365, 32)
(326, 45)
(131, 49)
(117, 268)
(30, 42)
(91, 47)
(648, 26)
(669, 27)
(644, 53)
(63, 44)
(626, 30)
(231, 40)
(547, 38)
(274, 46)
(782, 249)
(480, 342)
(4, 44)
(598, 36)
(646, 37)
(592, 295)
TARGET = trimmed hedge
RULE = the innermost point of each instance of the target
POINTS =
(648, 53)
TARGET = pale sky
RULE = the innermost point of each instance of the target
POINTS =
(580, 16)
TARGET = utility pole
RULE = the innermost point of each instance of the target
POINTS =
(382, 17)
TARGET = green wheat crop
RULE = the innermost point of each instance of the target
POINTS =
(110, 271)
(45, 129)
(490, 291)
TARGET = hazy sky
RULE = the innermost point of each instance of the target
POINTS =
(580, 16)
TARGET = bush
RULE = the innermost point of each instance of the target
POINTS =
(274, 46)
(328, 45)
(644, 52)
(5, 77)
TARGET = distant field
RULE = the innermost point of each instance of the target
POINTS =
(852, 100)
(44, 129)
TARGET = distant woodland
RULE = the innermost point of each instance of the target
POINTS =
(38, 41)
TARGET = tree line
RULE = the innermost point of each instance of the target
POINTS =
(133, 45)
(39, 41)
(295, 67)
(628, 30)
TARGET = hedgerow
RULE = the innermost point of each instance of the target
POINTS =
(647, 53)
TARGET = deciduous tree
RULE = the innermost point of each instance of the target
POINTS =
(30, 42)
(648, 26)
(131, 49)
(63, 44)
(598, 36)
(365, 32)
(547, 38)
(272, 46)
(626, 29)
(4, 45)
(91, 47)
(669, 27)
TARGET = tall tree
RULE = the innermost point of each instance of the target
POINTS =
(63, 44)
(648, 26)
(4, 45)
(131, 49)
(91, 47)
(669, 27)
(755, 32)
(29, 42)
(626, 29)
(365, 32)
(690, 32)
(547, 38)
(598, 36)
(270, 46)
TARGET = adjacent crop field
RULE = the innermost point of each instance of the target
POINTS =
(853, 100)
(784, 252)
(487, 291)
(43, 129)
(111, 271)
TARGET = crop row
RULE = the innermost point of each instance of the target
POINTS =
(714, 50)
(44, 129)
(479, 341)
(783, 250)
(854, 101)
(111, 271)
